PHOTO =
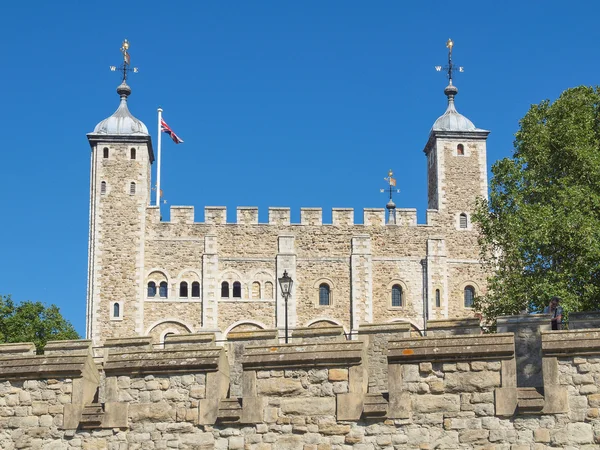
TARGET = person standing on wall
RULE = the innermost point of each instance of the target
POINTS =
(556, 310)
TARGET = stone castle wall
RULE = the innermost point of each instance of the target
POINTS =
(385, 390)
(132, 248)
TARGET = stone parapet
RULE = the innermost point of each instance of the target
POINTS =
(570, 343)
(319, 334)
(303, 355)
(453, 392)
(584, 320)
(170, 360)
(453, 327)
(452, 348)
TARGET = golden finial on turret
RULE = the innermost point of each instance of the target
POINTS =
(390, 173)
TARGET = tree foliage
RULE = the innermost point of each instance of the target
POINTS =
(33, 322)
(541, 225)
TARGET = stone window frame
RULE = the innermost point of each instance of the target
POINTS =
(103, 187)
(112, 309)
(262, 277)
(132, 153)
(457, 221)
(132, 188)
(316, 288)
(460, 149)
(463, 286)
(437, 290)
(388, 290)
(151, 276)
(466, 148)
(231, 276)
(187, 289)
(260, 290)
(106, 153)
(190, 276)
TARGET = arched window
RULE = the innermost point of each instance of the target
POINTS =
(224, 289)
(183, 289)
(132, 188)
(151, 289)
(116, 310)
(396, 295)
(256, 290)
(268, 290)
(460, 149)
(132, 153)
(438, 300)
(195, 289)
(103, 187)
(105, 152)
(324, 294)
(163, 290)
(469, 296)
(237, 289)
(463, 220)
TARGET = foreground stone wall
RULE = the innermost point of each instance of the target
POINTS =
(324, 393)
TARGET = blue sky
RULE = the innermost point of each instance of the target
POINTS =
(299, 104)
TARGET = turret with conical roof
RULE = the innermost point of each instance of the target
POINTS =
(122, 157)
(456, 157)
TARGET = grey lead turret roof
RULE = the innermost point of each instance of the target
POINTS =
(452, 120)
(122, 122)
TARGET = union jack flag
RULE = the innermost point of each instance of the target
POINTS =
(167, 129)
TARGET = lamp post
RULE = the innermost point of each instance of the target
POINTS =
(285, 282)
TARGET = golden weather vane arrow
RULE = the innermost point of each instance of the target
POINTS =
(125, 67)
(450, 69)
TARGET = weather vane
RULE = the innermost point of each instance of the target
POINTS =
(391, 206)
(391, 184)
(450, 67)
(126, 62)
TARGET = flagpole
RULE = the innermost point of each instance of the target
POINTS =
(158, 160)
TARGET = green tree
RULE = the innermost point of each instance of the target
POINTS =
(33, 322)
(541, 226)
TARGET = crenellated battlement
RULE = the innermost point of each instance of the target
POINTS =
(248, 215)
(452, 391)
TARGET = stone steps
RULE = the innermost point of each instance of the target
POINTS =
(530, 400)
(230, 410)
(91, 417)
(375, 405)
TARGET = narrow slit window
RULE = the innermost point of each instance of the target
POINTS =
(460, 150)
(237, 289)
(116, 310)
(132, 153)
(151, 289)
(324, 295)
(132, 188)
(103, 187)
(469, 296)
(195, 289)
(463, 221)
(105, 153)
(396, 295)
(224, 289)
(438, 300)
(183, 289)
(163, 290)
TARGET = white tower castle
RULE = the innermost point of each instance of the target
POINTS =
(152, 278)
